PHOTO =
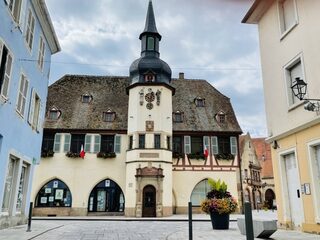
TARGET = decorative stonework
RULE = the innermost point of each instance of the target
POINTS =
(149, 155)
(149, 126)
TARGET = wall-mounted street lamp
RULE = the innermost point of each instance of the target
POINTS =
(299, 89)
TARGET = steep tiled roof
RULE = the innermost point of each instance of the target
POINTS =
(110, 93)
(263, 152)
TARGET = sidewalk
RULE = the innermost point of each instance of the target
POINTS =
(121, 228)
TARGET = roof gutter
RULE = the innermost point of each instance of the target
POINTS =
(46, 24)
(256, 11)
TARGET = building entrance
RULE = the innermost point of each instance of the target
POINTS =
(149, 201)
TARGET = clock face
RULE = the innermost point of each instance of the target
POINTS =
(149, 106)
(150, 97)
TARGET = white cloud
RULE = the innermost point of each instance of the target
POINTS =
(203, 38)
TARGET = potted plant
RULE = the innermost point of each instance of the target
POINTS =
(219, 204)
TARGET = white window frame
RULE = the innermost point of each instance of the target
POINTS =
(41, 53)
(15, 3)
(285, 30)
(7, 74)
(315, 191)
(24, 187)
(89, 146)
(35, 112)
(22, 95)
(30, 30)
(57, 143)
(288, 81)
(19, 162)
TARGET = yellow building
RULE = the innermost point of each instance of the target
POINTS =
(290, 50)
(150, 141)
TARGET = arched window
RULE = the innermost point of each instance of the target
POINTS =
(199, 192)
(106, 196)
(54, 194)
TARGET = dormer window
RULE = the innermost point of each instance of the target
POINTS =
(86, 98)
(200, 102)
(109, 116)
(54, 114)
(221, 117)
(178, 116)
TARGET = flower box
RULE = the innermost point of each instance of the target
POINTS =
(106, 155)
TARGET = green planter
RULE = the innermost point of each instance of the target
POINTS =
(219, 221)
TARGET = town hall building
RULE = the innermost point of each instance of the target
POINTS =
(139, 146)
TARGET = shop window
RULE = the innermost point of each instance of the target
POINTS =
(106, 196)
(200, 192)
(54, 194)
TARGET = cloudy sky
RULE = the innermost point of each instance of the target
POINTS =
(205, 39)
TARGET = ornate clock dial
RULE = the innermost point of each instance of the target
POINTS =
(150, 97)
(149, 106)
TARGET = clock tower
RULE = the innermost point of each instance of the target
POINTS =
(149, 157)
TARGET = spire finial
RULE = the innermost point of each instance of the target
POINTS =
(150, 26)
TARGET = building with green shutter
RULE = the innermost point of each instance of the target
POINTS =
(145, 139)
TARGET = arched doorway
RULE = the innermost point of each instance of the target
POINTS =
(149, 201)
(106, 196)
(269, 197)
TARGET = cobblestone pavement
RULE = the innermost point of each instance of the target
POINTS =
(133, 230)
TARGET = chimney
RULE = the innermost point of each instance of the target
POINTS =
(181, 75)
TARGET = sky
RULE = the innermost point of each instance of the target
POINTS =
(205, 39)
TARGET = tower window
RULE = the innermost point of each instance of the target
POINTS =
(142, 138)
(150, 44)
(157, 143)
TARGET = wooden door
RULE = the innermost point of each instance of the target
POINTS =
(149, 201)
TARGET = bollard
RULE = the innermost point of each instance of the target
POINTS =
(190, 219)
(30, 217)
(248, 221)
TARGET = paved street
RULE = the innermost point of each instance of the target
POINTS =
(114, 228)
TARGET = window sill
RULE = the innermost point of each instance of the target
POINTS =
(285, 33)
(3, 99)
